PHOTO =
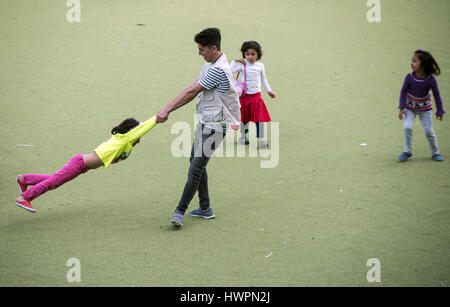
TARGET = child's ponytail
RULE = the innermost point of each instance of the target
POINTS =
(429, 64)
(125, 126)
(115, 130)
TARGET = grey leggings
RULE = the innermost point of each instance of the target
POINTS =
(259, 129)
(426, 118)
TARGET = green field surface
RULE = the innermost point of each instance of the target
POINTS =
(315, 219)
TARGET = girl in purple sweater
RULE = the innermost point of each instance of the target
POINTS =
(415, 100)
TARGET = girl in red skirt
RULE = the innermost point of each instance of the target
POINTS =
(253, 108)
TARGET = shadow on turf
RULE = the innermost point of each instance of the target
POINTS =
(190, 222)
(415, 160)
(47, 215)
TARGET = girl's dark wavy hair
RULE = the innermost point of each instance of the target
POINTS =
(251, 45)
(429, 64)
(125, 126)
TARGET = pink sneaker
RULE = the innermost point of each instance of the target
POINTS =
(26, 205)
(22, 186)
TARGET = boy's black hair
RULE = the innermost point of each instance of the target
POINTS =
(125, 126)
(429, 64)
(251, 45)
(209, 37)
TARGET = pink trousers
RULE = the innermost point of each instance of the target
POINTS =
(43, 183)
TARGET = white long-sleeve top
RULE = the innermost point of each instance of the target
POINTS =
(256, 76)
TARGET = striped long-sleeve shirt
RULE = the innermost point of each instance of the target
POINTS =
(215, 78)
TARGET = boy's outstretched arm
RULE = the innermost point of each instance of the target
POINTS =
(183, 98)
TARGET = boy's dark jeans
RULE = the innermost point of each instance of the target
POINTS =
(205, 143)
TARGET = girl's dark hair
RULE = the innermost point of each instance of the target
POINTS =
(125, 126)
(209, 37)
(429, 64)
(251, 45)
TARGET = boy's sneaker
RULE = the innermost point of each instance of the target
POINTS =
(404, 156)
(437, 157)
(26, 205)
(244, 141)
(177, 218)
(206, 214)
(22, 187)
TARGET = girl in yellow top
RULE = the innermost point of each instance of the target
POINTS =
(124, 137)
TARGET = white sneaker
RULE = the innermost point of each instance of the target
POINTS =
(263, 144)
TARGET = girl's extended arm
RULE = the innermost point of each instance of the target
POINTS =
(403, 92)
(140, 130)
(265, 83)
(236, 66)
(437, 99)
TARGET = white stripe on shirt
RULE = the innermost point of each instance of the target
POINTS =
(215, 78)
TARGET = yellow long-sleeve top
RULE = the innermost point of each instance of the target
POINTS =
(123, 143)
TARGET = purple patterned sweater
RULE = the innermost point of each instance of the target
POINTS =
(415, 94)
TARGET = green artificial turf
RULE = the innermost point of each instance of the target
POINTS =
(313, 220)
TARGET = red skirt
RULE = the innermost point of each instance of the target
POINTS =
(253, 109)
